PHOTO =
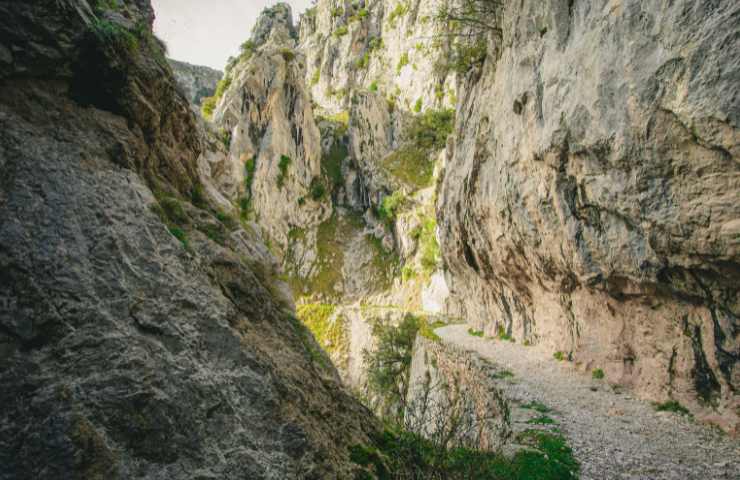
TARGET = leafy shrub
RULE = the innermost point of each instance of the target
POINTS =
(466, 56)
(389, 363)
(391, 205)
(288, 54)
(341, 31)
(208, 106)
(179, 234)
(431, 129)
(402, 62)
(419, 105)
(400, 10)
(597, 374)
(396, 454)
(373, 87)
(559, 356)
(537, 406)
(672, 406)
(318, 190)
(363, 62)
(475, 333)
(283, 165)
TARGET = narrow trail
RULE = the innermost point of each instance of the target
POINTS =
(613, 435)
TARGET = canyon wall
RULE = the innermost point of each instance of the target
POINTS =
(144, 331)
(592, 201)
(197, 82)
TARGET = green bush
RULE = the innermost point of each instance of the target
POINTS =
(431, 129)
(373, 87)
(402, 62)
(208, 106)
(559, 356)
(395, 454)
(400, 10)
(179, 234)
(288, 54)
(341, 31)
(597, 374)
(389, 363)
(318, 190)
(391, 205)
(467, 56)
(475, 333)
(672, 406)
(419, 105)
(283, 165)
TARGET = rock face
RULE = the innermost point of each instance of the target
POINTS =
(385, 46)
(143, 334)
(274, 146)
(451, 392)
(592, 203)
(198, 82)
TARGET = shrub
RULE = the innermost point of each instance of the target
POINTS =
(597, 373)
(288, 54)
(466, 56)
(400, 10)
(316, 77)
(318, 190)
(179, 234)
(363, 62)
(559, 356)
(402, 62)
(431, 129)
(208, 106)
(419, 105)
(373, 87)
(389, 363)
(672, 406)
(475, 333)
(395, 453)
(541, 420)
(341, 31)
(283, 165)
(537, 406)
(391, 205)
(502, 335)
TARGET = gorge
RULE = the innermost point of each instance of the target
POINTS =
(392, 239)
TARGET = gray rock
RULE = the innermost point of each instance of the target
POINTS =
(593, 198)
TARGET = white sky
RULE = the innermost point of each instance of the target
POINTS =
(207, 32)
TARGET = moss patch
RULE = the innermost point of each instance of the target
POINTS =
(330, 333)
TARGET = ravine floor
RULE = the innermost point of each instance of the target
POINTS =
(613, 435)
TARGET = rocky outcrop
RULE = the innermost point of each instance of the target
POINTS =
(592, 201)
(143, 332)
(197, 82)
(273, 141)
(384, 46)
(453, 393)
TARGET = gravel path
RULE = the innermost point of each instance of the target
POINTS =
(613, 435)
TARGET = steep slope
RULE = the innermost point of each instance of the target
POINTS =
(592, 202)
(143, 332)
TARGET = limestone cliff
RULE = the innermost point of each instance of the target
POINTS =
(143, 330)
(197, 82)
(592, 200)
